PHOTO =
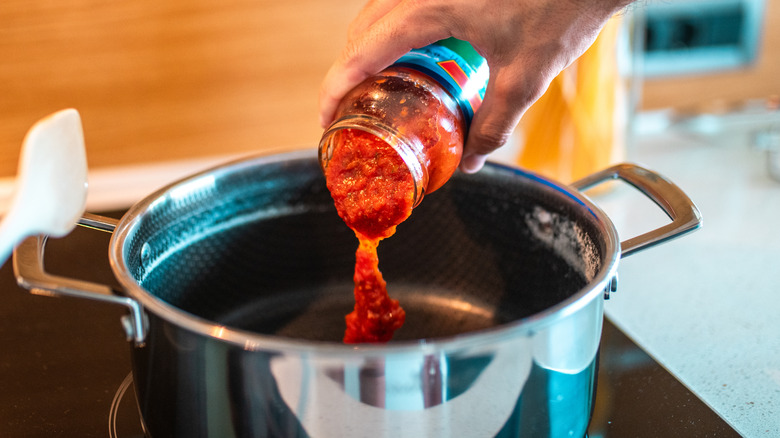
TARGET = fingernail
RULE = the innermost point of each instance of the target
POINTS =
(472, 163)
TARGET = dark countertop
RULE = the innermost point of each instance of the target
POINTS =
(64, 360)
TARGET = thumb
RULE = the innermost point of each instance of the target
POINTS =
(506, 100)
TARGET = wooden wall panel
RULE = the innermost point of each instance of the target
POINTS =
(164, 80)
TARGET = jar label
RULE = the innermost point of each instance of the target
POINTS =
(457, 67)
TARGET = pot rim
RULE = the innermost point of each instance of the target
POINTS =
(248, 340)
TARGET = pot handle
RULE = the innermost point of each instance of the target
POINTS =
(672, 200)
(31, 275)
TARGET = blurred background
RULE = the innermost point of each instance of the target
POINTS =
(191, 81)
(690, 88)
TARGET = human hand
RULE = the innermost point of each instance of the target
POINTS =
(525, 42)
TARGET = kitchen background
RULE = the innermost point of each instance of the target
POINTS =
(168, 88)
(177, 80)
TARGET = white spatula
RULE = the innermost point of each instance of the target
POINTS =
(51, 184)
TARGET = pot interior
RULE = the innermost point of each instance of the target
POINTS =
(257, 245)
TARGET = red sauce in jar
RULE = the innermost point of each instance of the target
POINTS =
(370, 185)
(374, 190)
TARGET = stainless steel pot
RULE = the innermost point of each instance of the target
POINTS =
(237, 281)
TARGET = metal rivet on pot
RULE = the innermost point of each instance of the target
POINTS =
(127, 326)
(611, 287)
(146, 255)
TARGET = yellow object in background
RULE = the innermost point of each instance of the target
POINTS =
(579, 125)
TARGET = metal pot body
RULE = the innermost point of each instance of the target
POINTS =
(191, 385)
(237, 281)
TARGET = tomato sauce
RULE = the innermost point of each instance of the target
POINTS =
(373, 192)
(372, 187)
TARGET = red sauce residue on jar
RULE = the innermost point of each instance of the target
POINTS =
(370, 185)
(374, 190)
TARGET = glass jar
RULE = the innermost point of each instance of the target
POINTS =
(421, 106)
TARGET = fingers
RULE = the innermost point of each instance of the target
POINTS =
(338, 81)
(472, 163)
(372, 11)
(385, 40)
(507, 97)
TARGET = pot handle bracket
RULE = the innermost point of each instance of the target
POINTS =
(31, 275)
(673, 201)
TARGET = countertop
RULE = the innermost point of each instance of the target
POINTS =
(707, 305)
